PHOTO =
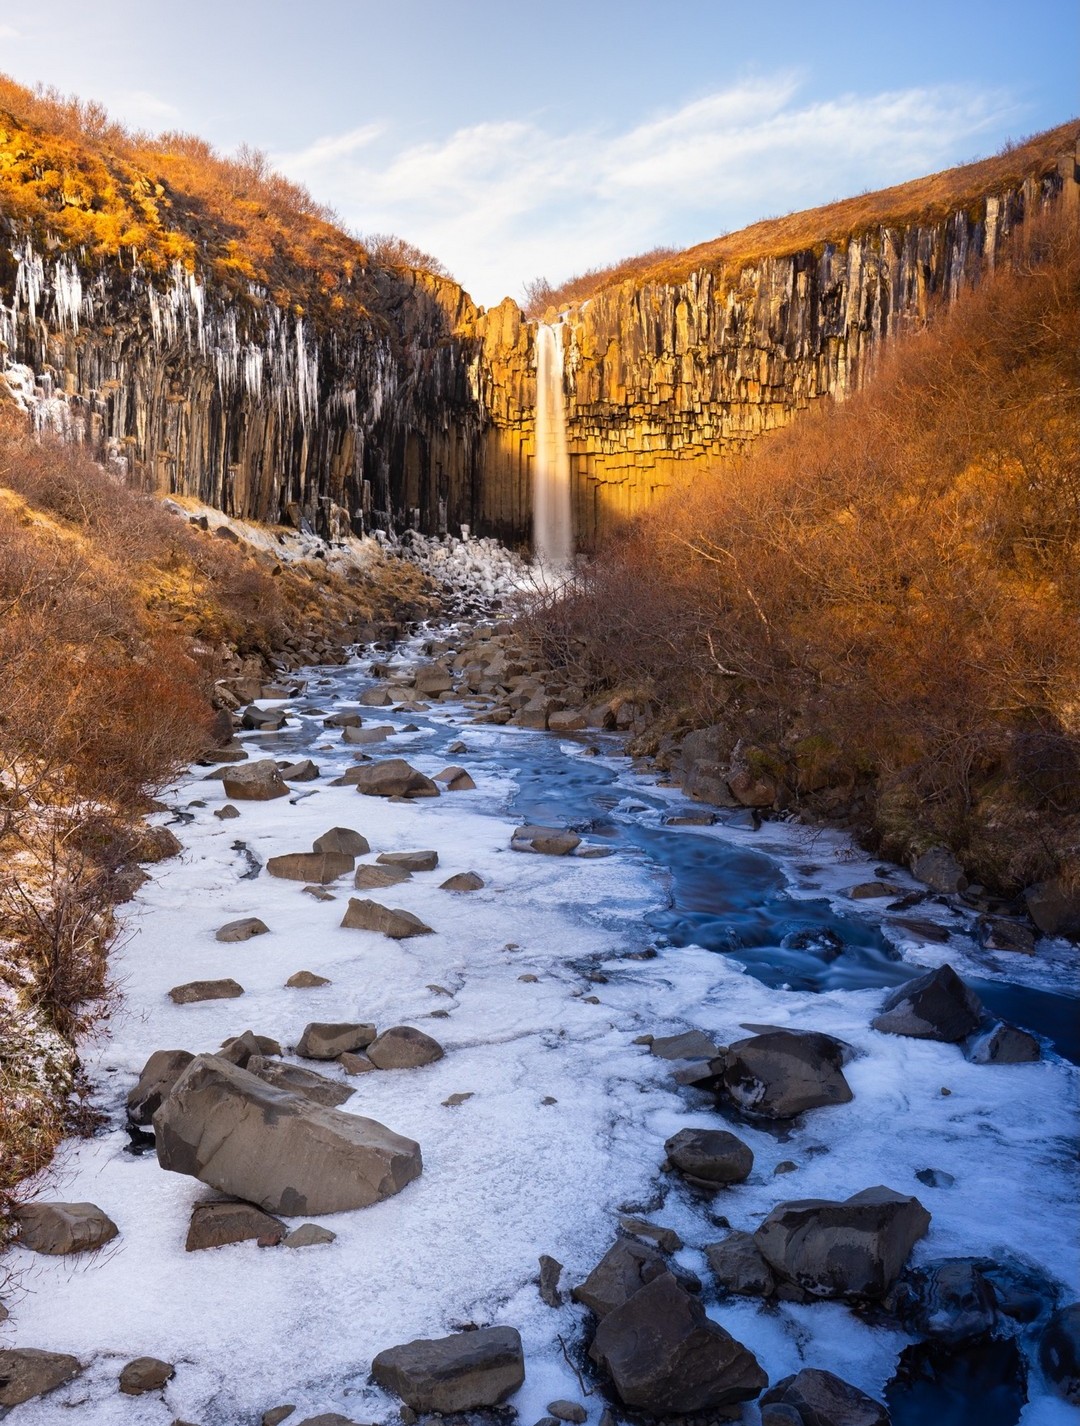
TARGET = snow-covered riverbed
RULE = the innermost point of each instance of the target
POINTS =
(567, 1118)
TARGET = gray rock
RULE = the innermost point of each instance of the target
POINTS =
(1001, 933)
(940, 870)
(410, 861)
(309, 1235)
(455, 779)
(623, 1270)
(239, 1049)
(61, 1228)
(464, 1372)
(852, 1249)
(1004, 1044)
(323, 1041)
(550, 1273)
(737, 1266)
(159, 1074)
(690, 1045)
(709, 1158)
(342, 841)
(26, 1372)
(818, 1398)
(263, 720)
(391, 921)
(328, 1418)
(242, 1136)
(394, 777)
(306, 980)
(375, 698)
(276, 1415)
(704, 762)
(355, 1064)
(242, 930)
(950, 1301)
(363, 737)
(934, 1006)
(226, 813)
(1059, 1353)
(666, 1357)
(782, 1073)
(344, 719)
(666, 1239)
(214, 1225)
(547, 841)
(1054, 907)
(463, 881)
(317, 867)
(303, 771)
(375, 878)
(193, 991)
(318, 893)
(873, 891)
(145, 1374)
(403, 1047)
(433, 678)
(254, 782)
(300, 1081)
(571, 1411)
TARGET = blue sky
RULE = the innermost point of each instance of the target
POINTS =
(517, 140)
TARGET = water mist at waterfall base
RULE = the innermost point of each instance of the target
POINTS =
(553, 540)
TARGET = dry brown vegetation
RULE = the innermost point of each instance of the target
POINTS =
(923, 200)
(885, 598)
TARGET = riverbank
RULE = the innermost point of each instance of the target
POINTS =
(546, 1120)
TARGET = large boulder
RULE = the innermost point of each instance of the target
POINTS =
(852, 1249)
(315, 867)
(399, 925)
(403, 1047)
(704, 763)
(303, 771)
(463, 881)
(61, 1228)
(1054, 907)
(666, 1357)
(934, 1006)
(689, 1045)
(26, 1372)
(159, 1074)
(737, 1266)
(276, 1148)
(547, 841)
(410, 861)
(951, 1300)
(322, 1041)
(361, 737)
(213, 1225)
(456, 779)
(817, 1398)
(940, 870)
(263, 720)
(623, 1270)
(254, 782)
(342, 841)
(318, 1087)
(709, 1158)
(783, 1073)
(465, 1372)
(1003, 1044)
(393, 777)
(377, 878)
(1059, 1352)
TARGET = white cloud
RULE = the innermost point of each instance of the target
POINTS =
(142, 108)
(8, 32)
(502, 202)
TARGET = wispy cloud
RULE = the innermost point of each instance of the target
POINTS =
(8, 32)
(501, 202)
(142, 106)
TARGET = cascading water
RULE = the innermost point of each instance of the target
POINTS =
(553, 539)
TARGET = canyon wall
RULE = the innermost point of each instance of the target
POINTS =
(418, 409)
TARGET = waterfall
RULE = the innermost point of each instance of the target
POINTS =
(553, 539)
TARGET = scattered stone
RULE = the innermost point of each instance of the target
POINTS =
(403, 1047)
(305, 980)
(463, 881)
(934, 1006)
(940, 870)
(159, 1074)
(344, 719)
(737, 1266)
(308, 1235)
(410, 861)
(318, 1087)
(457, 748)
(1054, 907)
(624, 1269)
(241, 930)
(691, 819)
(923, 930)
(456, 1099)
(303, 771)
(817, 1398)
(239, 1049)
(322, 1041)
(227, 812)
(852, 1249)
(949, 1300)
(666, 1357)
(691, 1045)
(393, 777)
(547, 841)
(529, 979)
(399, 925)
(375, 698)
(571, 1411)
(375, 878)
(935, 1178)
(317, 867)
(464, 1372)
(782, 1073)
(61, 1228)
(213, 1225)
(256, 782)
(318, 893)
(277, 1414)
(263, 720)
(242, 1136)
(872, 891)
(1004, 1044)
(550, 1273)
(26, 1372)
(355, 1063)
(456, 779)
(341, 841)
(1000, 933)
(569, 720)
(145, 1374)
(433, 678)
(362, 737)
(709, 1158)
(1059, 1353)
(666, 1239)
(194, 991)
